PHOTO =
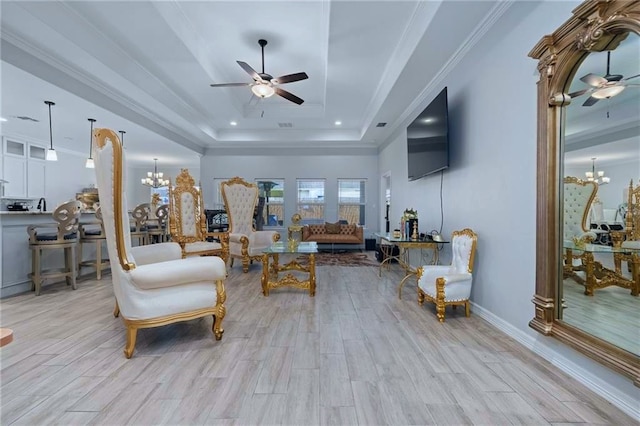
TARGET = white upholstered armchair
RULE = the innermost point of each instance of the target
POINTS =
(244, 241)
(153, 284)
(450, 285)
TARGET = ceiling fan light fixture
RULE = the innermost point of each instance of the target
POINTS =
(608, 92)
(263, 90)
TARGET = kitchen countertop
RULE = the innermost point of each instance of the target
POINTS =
(30, 212)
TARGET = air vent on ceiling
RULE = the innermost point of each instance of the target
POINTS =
(25, 118)
(285, 125)
(381, 124)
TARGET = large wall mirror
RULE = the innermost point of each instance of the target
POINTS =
(588, 279)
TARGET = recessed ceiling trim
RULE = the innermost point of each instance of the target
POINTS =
(61, 75)
(481, 29)
(423, 13)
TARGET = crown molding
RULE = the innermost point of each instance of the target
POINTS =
(479, 32)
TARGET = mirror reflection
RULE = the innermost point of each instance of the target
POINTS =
(601, 248)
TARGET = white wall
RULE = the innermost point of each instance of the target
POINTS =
(491, 184)
(66, 177)
(289, 167)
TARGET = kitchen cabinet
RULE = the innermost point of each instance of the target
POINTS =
(24, 168)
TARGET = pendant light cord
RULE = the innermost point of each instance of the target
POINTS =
(50, 127)
(91, 139)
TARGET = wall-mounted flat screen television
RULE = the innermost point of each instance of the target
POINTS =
(428, 139)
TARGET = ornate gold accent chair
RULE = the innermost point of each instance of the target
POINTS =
(157, 229)
(245, 242)
(64, 236)
(153, 284)
(630, 236)
(93, 233)
(188, 224)
(578, 197)
(140, 217)
(450, 285)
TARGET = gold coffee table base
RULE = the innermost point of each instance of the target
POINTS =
(271, 272)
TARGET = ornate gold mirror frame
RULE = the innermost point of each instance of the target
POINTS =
(596, 25)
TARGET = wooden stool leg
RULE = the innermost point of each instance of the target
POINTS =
(99, 259)
(79, 257)
(37, 280)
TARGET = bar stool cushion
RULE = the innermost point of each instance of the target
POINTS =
(53, 236)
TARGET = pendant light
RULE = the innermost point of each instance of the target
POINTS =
(51, 153)
(90, 164)
(154, 179)
(122, 132)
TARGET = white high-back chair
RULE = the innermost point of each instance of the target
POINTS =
(578, 197)
(153, 285)
(450, 285)
(244, 241)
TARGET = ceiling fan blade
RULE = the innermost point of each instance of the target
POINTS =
(594, 80)
(633, 76)
(254, 75)
(290, 78)
(288, 96)
(590, 101)
(579, 93)
(230, 84)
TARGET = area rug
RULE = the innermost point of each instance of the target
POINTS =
(342, 259)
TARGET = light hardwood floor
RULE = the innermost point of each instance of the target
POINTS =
(354, 354)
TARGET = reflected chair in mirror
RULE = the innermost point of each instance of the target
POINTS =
(450, 285)
(93, 233)
(60, 235)
(188, 224)
(157, 228)
(153, 285)
(629, 237)
(578, 197)
(245, 242)
(140, 217)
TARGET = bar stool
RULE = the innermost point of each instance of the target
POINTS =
(139, 228)
(158, 230)
(66, 216)
(93, 233)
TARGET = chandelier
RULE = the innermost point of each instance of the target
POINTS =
(597, 177)
(154, 179)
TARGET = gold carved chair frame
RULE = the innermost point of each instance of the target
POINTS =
(595, 26)
(186, 186)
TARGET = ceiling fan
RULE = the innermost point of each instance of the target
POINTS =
(264, 85)
(604, 87)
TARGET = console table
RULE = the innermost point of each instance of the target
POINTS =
(405, 245)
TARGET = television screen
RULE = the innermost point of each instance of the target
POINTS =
(428, 139)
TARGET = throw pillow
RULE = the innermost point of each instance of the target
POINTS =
(332, 228)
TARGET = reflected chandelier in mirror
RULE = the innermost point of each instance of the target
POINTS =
(596, 27)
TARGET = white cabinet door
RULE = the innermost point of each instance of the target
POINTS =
(36, 179)
(15, 171)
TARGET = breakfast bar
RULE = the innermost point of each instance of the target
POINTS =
(15, 264)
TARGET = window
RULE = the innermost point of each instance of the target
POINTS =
(272, 192)
(351, 200)
(218, 201)
(163, 192)
(311, 200)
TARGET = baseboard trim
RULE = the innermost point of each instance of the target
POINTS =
(623, 401)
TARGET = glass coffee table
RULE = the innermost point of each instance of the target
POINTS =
(306, 271)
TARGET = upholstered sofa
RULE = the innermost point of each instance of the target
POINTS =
(328, 233)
